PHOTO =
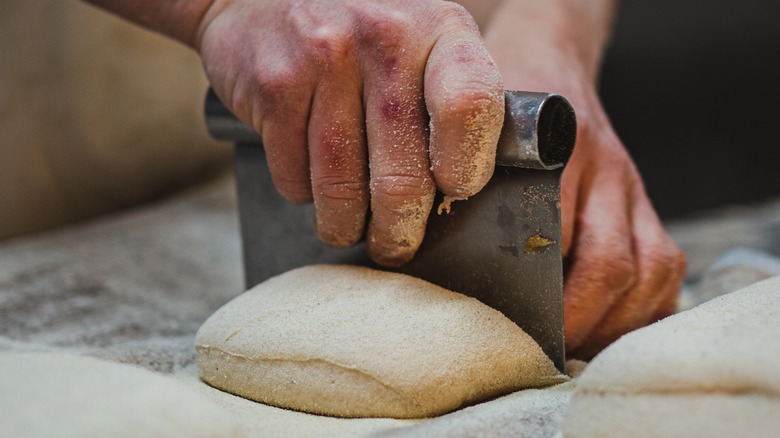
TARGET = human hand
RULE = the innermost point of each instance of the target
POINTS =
(361, 103)
(622, 270)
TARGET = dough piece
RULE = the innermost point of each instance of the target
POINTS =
(58, 395)
(355, 342)
(710, 371)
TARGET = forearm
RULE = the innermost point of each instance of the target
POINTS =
(540, 42)
(178, 19)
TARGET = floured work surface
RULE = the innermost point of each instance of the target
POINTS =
(136, 287)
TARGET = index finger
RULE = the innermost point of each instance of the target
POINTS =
(464, 96)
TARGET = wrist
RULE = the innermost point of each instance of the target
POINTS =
(178, 19)
(553, 46)
(537, 38)
(213, 10)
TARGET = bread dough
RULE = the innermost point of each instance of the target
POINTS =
(58, 395)
(355, 342)
(710, 371)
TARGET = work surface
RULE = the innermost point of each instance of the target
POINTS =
(136, 286)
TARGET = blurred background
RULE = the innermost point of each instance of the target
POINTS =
(97, 115)
(693, 89)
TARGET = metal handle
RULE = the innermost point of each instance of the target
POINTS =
(538, 133)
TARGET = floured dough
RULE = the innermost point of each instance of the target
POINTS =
(58, 395)
(355, 342)
(710, 371)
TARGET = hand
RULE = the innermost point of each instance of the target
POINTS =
(361, 103)
(623, 270)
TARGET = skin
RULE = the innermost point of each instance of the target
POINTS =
(336, 89)
(366, 107)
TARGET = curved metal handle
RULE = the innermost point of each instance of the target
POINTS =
(539, 129)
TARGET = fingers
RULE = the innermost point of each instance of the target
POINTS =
(465, 101)
(464, 96)
(339, 92)
(338, 159)
(401, 186)
(603, 266)
(660, 269)
(281, 105)
(277, 104)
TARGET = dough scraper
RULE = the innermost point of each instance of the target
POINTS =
(501, 246)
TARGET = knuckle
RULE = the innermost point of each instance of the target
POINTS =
(384, 27)
(615, 272)
(664, 261)
(660, 263)
(329, 45)
(407, 107)
(394, 189)
(275, 84)
(455, 13)
(474, 98)
(337, 188)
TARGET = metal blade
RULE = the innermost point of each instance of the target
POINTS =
(503, 247)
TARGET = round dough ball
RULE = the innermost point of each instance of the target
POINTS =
(58, 395)
(355, 342)
(710, 371)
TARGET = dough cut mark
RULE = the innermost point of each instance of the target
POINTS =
(309, 360)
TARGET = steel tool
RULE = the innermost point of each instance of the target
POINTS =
(501, 246)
